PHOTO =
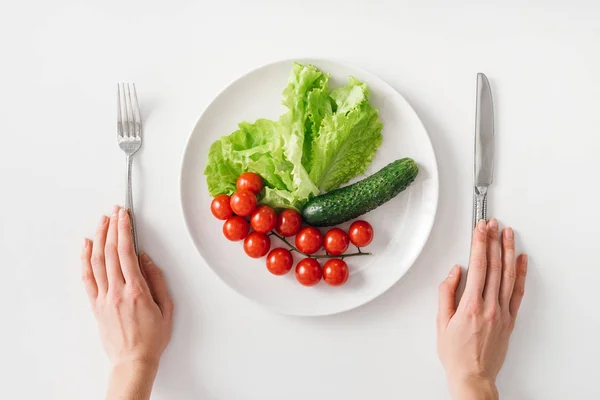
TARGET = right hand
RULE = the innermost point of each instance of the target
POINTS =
(132, 305)
(473, 337)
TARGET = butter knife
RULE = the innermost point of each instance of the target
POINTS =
(484, 148)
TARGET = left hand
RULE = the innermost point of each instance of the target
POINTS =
(134, 310)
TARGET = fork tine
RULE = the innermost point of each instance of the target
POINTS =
(129, 112)
(119, 120)
(126, 130)
(136, 113)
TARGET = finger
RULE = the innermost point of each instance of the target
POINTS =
(509, 271)
(158, 285)
(98, 261)
(447, 300)
(519, 289)
(494, 261)
(87, 273)
(113, 265)
(130, 267)
(478, 262)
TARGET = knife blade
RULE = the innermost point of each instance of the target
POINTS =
(484, 148)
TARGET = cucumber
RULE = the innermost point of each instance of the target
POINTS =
(344, 204)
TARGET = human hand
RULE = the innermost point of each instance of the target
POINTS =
(473, 337)
(132, 306)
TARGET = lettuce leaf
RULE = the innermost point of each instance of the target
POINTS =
(324, 139)
(346, 141)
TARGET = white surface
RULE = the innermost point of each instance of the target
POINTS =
(395, 246)
(60, 168)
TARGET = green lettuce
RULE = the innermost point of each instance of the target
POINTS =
(324, 139)
(346, 141)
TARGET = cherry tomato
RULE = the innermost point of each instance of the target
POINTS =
(361, 233)
(220, 207)
(236, 228)
(289, 223)
(250, 181)
(336, 241)
(243, 203)
(280, 261)
(308, 272)
(263, 219)
(309, 240)
(257, 245)
(335, 272)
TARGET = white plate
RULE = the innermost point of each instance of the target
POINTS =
(401, 226)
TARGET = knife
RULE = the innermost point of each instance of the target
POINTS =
(484, 148)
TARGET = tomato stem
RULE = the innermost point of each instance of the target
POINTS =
(341, 256)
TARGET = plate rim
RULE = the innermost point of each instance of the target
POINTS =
(434, 175)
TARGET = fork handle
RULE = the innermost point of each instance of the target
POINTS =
(129, 203)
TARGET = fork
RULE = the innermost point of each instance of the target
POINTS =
(129, 138)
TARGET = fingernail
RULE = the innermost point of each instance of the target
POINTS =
(508, 233)
(525, 259)
(493, 224)
(102, 220)
(453, 271)
(85, 243)
(145, 259)
(115, 210)
(481, 225)
(122, 213)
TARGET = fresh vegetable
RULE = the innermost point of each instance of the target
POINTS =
(336, 241)
(250, 181)
(257, 245)
(323, 140)
(236, 228)
(335, 272)
(347, 141)
(280, 261)
(243, 203)
(263, 219)
(352, 201)
(220, 207)
(289, 223)
(308, 272)
(309, 240)
(361, 233)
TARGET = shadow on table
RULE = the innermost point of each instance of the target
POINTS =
(176, 379)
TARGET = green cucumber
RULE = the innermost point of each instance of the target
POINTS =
(352, 201)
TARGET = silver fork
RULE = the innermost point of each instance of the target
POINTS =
(129, 137)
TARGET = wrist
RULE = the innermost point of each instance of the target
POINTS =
(474, 388)
(132, 380)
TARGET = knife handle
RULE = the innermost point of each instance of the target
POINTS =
(479, 204)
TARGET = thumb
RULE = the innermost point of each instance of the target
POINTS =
(157, 284)
(447, 301)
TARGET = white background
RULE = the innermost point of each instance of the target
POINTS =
(60, 168)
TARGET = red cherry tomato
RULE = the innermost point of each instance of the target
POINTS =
(308, 272)
(257, 245)
(243, 203)
(336, 241)
(309, 240)
(335, 272)
(250, 181)
(220, 207)
(361, 233)
(263, 219)
(289, 223)
(236, 228)
(280, 261)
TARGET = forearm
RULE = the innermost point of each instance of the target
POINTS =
(474, 389)
(131, 381)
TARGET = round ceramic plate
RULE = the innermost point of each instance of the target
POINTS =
(401, 226)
